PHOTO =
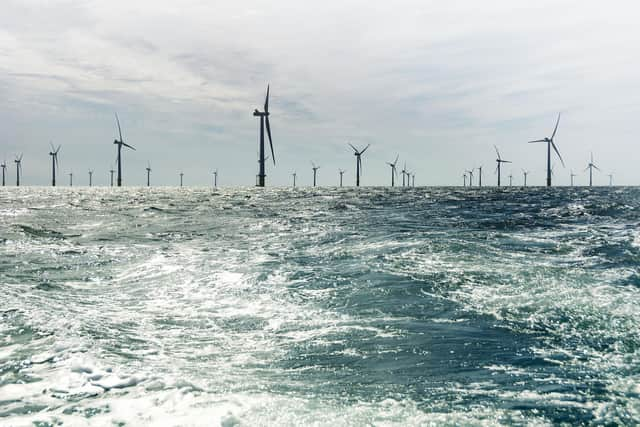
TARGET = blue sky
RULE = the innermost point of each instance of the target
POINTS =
(438, 83)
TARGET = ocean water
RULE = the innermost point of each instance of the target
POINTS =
(371, 306)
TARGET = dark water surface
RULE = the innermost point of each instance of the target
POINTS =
(327, 307)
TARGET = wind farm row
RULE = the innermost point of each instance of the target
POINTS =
(408, 177)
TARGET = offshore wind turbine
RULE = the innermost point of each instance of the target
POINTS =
(18, 162)
(499, 161)
(525, 173)
(464, 176)
(54, 163)
(511, 179)
(315, 172)
(413, 179)
(394, 172)
(610, 180)
(404, 172)
(4, 168)
(470, 173)
(215, 178)
(111, 171)
(120, 143)
(550, 143)
(71, 179)
(358, 155)
(181, 175)
(572, 175)
(148, 169)
(341, 171)
(294, 174)
(264, 120)
(90, 178)
(480, 176)
(591, 166)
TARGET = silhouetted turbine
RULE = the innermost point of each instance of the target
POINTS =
(294, 174)
(148, 169)
(404, 172)
(591, 166)
(111, 171)
(54, 163)
(215, 178)
(120, 143)
(480, 176)
(358, 155)
(464, 177)
(511, 179)
(413, 180)
(394, 171)
(470, 173)
(18, 162)
(499, 161)
(550, 143)
(4, 168)
(315, 172)
(181, 175)
(341, 172)
(525, 173)
(90, 178)
(71, 179)
(264, 120)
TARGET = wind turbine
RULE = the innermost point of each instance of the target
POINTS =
(464, 176)
(358, 155)
(71, 179)
(264, 119)
(394, 172)
(18, 162)
(404, 172)
(120, 143)
(181, 175)
(54, 163)
(590, 167)
(470, 177)
(215, 178)
(572, 175)
(510, 179)
(610, 180)
(4, 167)
(550, 143)
(90, 178)
(480, 176)
(294, 174)
(111, 171)
(499, 161)
(341, 171)
(148, 169)
(413, 179)
(315, 172)
(525, 173)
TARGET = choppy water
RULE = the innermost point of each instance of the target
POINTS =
(328, 307)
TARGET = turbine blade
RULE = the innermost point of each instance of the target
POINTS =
(354, 148)
(119, 129)
(497, 152)
(52, 147)
(396, 161)
(556, 128)
(597, 168)
(266, 101)
(557, 152)
(273, 156)
(537, 140)
(58, 149)
(127, 145)
(365, 148)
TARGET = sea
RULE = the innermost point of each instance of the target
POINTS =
(319, 307)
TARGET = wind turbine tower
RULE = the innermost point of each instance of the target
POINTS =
(525, 173)
(550, 143)
(71, 179)
(341, 171)
(358, 155)
(499, 161)
(181, 175)
(315, 172)
(480, 176)
(470, 173)
(90, 178)
(54, 163)
(111, 171)
(394, 171)
(4, 168)
(591, 166)
(148, 173)
(120, 143)
(264, 120)
(18, 162)
(294, 174)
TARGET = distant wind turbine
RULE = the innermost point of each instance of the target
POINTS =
(294, 174)
(358, 155)
(610, 180)
(341, 172)
(120, 143)
(264, 120)
(550, 143)
(181, 175)
(404, 172)
(70, 179)
(413, 180)
(470, 173)
(525, 173)
(464, 176)
(511, 179)
(572, 175)
(4, 168)
(591, 166)
(90, 178)
(480, 176)
(215, 178)
(111, 171)
(499, 161)
(18, 162)
(148, 169)
(394, 171)
(315, 172)
(54, 163)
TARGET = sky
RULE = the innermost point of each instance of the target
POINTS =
(437, 83)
